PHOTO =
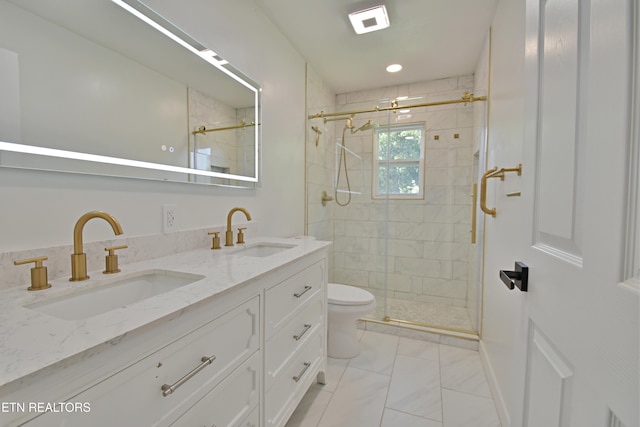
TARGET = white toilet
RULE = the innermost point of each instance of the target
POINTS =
(346, 304)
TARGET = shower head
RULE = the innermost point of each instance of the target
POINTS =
(367, 126)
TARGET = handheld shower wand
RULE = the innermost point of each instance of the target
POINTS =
(343, 156)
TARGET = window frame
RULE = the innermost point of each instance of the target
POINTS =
(377, 163)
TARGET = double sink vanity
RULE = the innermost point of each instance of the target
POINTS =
(230, 337)
(181, 334)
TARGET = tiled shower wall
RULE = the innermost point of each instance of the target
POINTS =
(429, 239)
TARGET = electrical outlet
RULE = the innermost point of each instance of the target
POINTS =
(168, 218)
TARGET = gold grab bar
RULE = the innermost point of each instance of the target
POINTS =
(493, 173)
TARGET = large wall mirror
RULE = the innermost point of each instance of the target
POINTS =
(109, 87)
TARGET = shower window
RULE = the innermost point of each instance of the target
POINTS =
(398, 166)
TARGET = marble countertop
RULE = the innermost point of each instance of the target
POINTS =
(32, 340)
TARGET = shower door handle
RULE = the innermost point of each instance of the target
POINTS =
(483, 192)
(493, 173)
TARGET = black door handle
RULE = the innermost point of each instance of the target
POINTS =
(518, 278)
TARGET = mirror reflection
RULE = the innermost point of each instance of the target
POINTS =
(110, 87)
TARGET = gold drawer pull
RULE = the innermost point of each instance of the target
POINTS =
(168, 389)
(299, 376)
(304, 331)
(299, 294)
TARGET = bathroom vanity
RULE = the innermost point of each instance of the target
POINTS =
(232, 337)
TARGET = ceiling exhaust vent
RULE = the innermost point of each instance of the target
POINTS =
(367, 20)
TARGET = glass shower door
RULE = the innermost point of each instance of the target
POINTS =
(424, 186)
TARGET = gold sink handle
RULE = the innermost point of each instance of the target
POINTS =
(215, 240)
(241, 235)
(111, 260)
(39, 279)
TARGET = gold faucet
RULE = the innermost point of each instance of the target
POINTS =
(79, 258)
(229, 233)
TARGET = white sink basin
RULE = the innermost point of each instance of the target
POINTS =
(120, 293)
(264, 249)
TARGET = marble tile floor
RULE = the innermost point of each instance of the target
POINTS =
(400, 382)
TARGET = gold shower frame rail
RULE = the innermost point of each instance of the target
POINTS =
(388, 319)
(465, 99)
(204, 130)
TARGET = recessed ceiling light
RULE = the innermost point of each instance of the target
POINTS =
(394, 68)
(367, 20)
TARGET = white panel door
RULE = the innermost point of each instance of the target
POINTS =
(577, 345)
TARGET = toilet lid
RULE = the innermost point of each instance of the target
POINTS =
(348, 295)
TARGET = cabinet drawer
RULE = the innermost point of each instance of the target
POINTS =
(290, 337)
(286, 392)
(134, 396)
(284, 298)
(234, 403)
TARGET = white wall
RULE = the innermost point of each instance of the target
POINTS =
(39, 209)
(505, 139)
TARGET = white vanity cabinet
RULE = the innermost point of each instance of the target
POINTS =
(203, 358)
(241, 354)
(295, 350)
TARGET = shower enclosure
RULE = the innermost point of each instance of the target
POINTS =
(402, 218)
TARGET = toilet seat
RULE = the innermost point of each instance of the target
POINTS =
(348, 295)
